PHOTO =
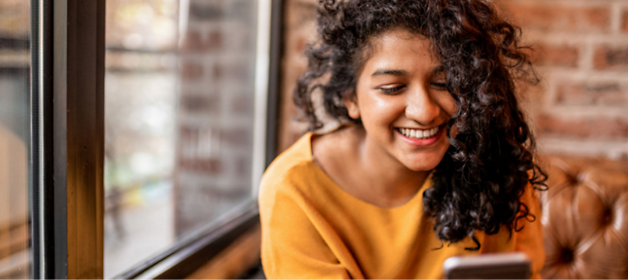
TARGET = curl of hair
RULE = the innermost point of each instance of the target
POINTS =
(479, 182)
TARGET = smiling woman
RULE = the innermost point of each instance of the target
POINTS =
(434, 148)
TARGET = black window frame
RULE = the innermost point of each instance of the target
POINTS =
(67, 151)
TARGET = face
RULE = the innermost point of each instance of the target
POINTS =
(402, 100)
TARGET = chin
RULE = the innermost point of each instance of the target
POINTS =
(423, 163)
(425, 160)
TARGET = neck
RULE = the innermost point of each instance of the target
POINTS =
(387, 176)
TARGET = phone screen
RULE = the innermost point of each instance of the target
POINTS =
(489, 266)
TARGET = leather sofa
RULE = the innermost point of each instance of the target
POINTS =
(585, 218)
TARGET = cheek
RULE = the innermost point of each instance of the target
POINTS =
(376, 109)
(380, 110)
(449, 105)
(446, 102)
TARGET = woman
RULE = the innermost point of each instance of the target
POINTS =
(436, 160)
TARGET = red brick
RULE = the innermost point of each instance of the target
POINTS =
(624, 22)
(217, 71)
(611, 58)
(207, 166)
(200, 103)
(609, 93)
(206, 10)
(599, 128)
(191, 70)
(233, 70)
(550, 55)
(242, 137)
(215, 40)
(557, 17)
(194, 41)
(242, 104)
(300, 14)
(301, 44)
(243, 166)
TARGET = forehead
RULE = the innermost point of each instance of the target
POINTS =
(400, 49)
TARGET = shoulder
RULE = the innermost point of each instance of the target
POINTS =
(288, 172)
(336, 151)
(299, 173)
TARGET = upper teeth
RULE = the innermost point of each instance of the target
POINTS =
(418, 133)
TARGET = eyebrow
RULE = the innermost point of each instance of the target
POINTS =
(390, 72)
(435, 70)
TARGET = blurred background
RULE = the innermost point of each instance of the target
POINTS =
(179, 117)
(179, 97)
(14, 138)
(179, 93)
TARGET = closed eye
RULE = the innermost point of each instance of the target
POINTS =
(391, 90)
(439, 86)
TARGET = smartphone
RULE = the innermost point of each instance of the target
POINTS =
(488, 266)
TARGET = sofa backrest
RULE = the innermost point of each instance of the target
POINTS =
(585, 218)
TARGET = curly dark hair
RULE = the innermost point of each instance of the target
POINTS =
(479, 182)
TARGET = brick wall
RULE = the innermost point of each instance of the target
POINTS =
(581, 106)
(299, 28)
(581, 52)
(215, 121)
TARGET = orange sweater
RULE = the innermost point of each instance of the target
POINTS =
(311, 228)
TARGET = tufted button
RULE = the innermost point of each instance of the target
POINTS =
(575, 178)
(566, 256)
(585, 220)
(607, 217)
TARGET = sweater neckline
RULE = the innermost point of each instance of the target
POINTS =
(337, 189)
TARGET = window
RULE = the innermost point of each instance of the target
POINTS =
(139, 134)
(15, 253)
(180, 121)
(141, 92)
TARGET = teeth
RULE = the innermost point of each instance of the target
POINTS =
(418, 133)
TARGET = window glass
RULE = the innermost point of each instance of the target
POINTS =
(179, 98)
(14, 138)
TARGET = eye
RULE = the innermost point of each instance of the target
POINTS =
(439, 85)
(391, 90)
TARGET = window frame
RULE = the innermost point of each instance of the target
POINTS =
(40, 153)
(67, 124)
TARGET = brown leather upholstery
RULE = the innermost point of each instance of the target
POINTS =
(585, 218)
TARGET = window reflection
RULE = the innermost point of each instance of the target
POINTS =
(14, 139)
(179, 91)
(140, 102)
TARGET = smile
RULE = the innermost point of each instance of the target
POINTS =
(419, 133)
(421, 137)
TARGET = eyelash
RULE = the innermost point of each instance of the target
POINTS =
(440, 86)
(392, 90)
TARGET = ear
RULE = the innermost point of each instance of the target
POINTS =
(352, 106)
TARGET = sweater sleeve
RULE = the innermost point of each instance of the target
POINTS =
(292, 247)
(530, 238)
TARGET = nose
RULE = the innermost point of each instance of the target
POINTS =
(421, 108)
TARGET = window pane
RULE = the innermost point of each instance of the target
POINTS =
(179, 91)
(14, 138)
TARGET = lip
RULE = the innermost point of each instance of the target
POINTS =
(423, 142)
